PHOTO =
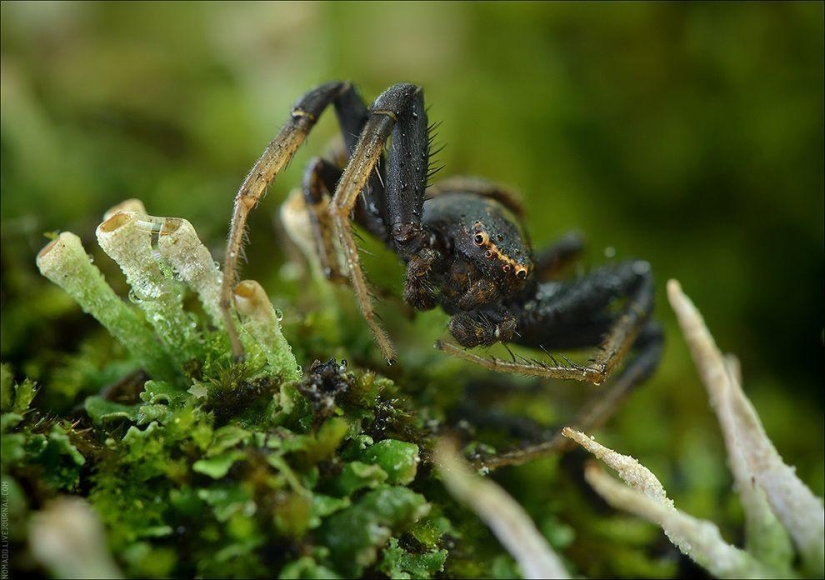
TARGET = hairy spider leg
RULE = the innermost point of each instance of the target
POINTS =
(563, 319)
(320, 178)
(398, 111)
(630, 322)
(598, 408)
(351, 113)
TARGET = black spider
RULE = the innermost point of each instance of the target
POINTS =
(464, 246)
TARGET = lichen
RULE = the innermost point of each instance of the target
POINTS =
(777, 505)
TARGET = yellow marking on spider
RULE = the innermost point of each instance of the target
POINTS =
(482, 239)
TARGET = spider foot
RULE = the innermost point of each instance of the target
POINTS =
(531, 367)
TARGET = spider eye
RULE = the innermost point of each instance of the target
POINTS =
(506, 268)
(521, 274)
(479, 239)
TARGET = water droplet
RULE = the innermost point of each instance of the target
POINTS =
(133, 297)
(279, 315)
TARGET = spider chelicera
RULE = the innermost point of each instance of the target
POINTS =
(464, 247)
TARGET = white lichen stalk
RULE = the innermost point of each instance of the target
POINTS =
(792, 502)
(776, 503)
(69, 540)
(505, 517)
(646, 498)
(765, 537)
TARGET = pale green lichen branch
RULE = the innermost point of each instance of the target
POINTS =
(294, 216)
(160, 258)
(777, 504)
(792, 502)
(264, 324)
(132, 204)
(180, 246)
(128, 238)
(698, 539)
(65, 262)
(505, 517)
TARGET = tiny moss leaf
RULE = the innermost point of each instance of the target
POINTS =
(399, 563)
(357, 475)
(218, 466)
(100, 410)
(397, 458)
(355, 534)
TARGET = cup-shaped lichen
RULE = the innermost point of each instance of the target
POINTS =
(128, 240)
(180, 246)
(161, 258)
(65, 262)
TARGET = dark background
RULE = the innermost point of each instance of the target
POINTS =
(689, 134)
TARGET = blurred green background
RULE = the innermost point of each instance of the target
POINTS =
(688, 134)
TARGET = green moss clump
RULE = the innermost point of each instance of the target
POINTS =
(184, 490)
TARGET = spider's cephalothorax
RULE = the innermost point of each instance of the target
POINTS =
(476, 264)
(464, 245)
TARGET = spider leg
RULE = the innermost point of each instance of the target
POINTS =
(523, 366)
(318, 184)
(637, 310)
(398, 111)
(351, 112)
(598, 408)
(320, 178)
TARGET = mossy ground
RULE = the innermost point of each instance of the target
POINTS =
(227, 470)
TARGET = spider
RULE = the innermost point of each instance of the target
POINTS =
(463, 244)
